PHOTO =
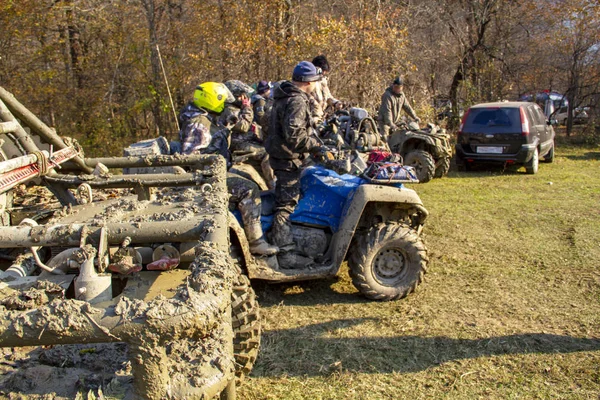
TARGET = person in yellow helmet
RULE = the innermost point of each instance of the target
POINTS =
(205, 130)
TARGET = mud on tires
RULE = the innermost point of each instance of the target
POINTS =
(423, 163)
(388, 262)
(443, 168)
(245, 318)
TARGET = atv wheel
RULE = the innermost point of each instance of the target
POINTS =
(531, 167)
(443, 168)
(245, 318)
(549, 157)
(423, 163)
(388, 262)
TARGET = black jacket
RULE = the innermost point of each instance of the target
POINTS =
(290, 132)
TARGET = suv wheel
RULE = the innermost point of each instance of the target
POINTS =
(423, 163)
(549, 157)
(388, 262)
(531, 167)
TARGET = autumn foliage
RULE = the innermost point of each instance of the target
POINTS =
(92, 68)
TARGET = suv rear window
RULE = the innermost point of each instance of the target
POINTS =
(493, 120)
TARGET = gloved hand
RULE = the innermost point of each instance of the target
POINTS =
(323, 153)
(245, 101)
(418, 120)
(231, 121)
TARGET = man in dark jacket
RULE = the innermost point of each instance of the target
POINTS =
(290, 139)
(262, 104)
(393, 101)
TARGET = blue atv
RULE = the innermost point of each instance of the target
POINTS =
(375, 226)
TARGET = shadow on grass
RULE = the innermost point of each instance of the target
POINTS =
(590, 155)
(307, 293)
(308, 351)
(483, 170)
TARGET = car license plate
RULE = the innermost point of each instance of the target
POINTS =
(489, 149)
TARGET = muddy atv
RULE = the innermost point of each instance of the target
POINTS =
(373, 224)
(152, 270)
(428, 150)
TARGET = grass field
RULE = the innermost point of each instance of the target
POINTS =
(510, 307)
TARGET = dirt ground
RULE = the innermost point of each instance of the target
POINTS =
(66, 372)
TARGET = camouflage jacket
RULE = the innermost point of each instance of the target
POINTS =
(262, 110)
(241, 130)
(391, 107)
(202, 133)
(290, 126)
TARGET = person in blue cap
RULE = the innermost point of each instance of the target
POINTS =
(290, 141)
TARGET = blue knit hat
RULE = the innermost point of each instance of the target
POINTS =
(306, 72)
(263, 86)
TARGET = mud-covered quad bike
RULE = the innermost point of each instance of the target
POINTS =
(152, 270)
(428, 149)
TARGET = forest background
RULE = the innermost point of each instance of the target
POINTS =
(92, 68)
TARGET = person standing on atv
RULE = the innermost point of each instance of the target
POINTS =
(205, 129)
(393, 101)
(290, 140)
(322, 94)
(245, 137)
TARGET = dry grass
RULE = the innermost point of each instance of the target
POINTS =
(510, 307)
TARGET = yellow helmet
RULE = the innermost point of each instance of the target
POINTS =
(212, 96)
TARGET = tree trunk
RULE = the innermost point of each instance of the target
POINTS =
(154, 14)
(75, 47)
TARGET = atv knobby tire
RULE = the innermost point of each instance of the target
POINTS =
(423, 163)
(245, 318)
(388, 262)
(443, 168)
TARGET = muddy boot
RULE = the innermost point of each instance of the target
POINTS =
(291, 260)
(257, 242)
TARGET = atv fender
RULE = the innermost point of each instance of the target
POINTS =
(249, 172)
(237, 233)
(411, 141)
(368, 195)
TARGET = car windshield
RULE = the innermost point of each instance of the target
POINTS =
(494, 120)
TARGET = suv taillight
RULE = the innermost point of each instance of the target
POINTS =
(462, 122)
(524, 123)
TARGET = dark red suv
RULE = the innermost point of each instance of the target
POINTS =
(511, 133)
